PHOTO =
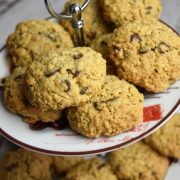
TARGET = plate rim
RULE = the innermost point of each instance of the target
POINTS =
(92, 152)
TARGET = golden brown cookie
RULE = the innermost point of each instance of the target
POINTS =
(166, 140)
(138, 162)
(35, 37)
(65, 78)
(16, 102)
(117, 107)
(62, 164)
(124, 11)
(93, 22)
(25, 165)
(100, 44)
(146, 54)
(92, 169)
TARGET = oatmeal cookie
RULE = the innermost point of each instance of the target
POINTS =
(65, 78)
(62, 164)
(117, 107)
(16, 102)
(99, 44)
(92, 169)
(166, 140)
(33, 38)
(146, 54)
(124, 11)
(26, 165)
(138, 161)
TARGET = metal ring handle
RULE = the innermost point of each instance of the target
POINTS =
(61, 16)
(85, 5)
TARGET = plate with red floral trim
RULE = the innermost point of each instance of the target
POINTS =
(158, 108)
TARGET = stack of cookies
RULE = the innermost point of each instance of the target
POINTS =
(147, 159)
(31, 40)
(95, 85)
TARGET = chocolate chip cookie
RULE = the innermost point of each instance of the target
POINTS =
(100, 44)
(16, 102)
(116, 108)
(26, 165)
(93, 23)
(35, 37)
(139, 162)
(65, 78)
(124, 11)
(166, 140)
(92, 169)
(146, 54)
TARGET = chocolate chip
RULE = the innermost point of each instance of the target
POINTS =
(116, 49)
(140, 175)
(2, 81)
(134, 37)
(26, 102)
(101, 165)
(96, 106)
(38, 126)
(32, 54)
(11, 67)
(68, 84)
(103, 43)
(57, 125)
(92, 35)
(12, 167)
(153, 49)
(78, 56)
(50, 73)
(173, 160)
(20, 77)
(76, 73)
(143, 50)
(155, 174)
(149, 8)
(118, 168)
(83, 90)
(111, 100)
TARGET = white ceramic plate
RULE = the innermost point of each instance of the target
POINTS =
(158, 108)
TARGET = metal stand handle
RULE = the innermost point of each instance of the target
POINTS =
(75, 15)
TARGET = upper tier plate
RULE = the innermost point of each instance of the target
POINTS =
(158, 108)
